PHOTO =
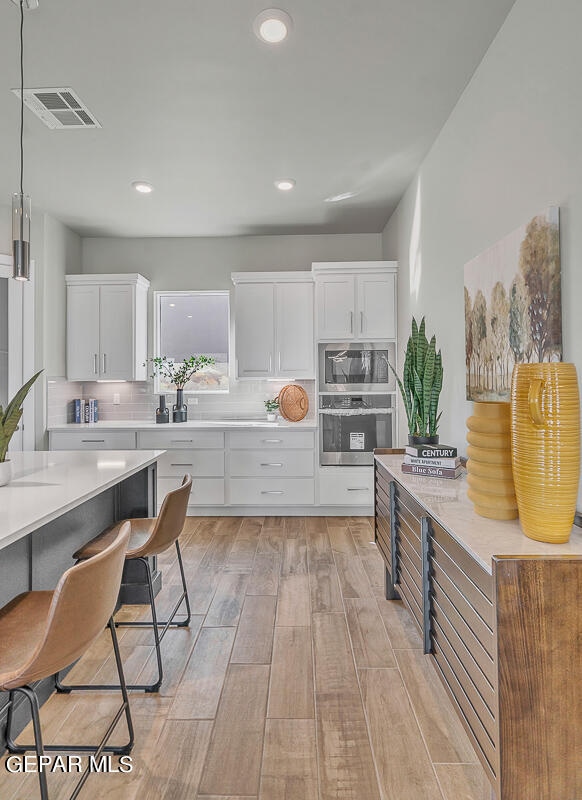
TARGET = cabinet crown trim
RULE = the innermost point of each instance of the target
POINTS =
(121, 278)
(298, 276)
(358, 267)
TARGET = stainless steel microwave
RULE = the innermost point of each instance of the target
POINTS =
(357, 367)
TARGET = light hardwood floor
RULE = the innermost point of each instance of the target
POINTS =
(296, 680)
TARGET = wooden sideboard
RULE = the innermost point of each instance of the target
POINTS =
(500, 617)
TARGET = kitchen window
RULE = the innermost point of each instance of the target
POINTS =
(194, 323)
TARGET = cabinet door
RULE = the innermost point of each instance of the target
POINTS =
(82, 333)
(117, 333)
(294, 330)
(254, 329)
(335, 307)
(376, 317)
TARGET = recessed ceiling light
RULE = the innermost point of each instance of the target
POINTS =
(272, 25)
(172, 305)
(189, 316)
(143, 187)
(285, 184)
(336, 198)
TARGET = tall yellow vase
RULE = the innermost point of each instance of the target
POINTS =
(545, 448)
(489, 472)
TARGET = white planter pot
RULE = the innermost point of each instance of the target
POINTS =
(5, 472)
(271, 417)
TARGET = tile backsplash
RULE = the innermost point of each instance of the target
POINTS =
(137, 400)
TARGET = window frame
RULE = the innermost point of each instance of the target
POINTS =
(157, 334)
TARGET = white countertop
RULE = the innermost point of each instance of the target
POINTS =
(196, 424)
(447, 501)
(48, 484)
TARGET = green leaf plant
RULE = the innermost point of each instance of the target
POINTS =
(10, 416)
(421, 383)
(179, 373)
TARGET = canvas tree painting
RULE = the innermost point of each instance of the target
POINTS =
(513, 307)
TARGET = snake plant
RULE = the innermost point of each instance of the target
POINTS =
(10, 416)
(422, 381)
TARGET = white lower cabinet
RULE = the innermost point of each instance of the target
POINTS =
(205, 491)
(272, 491)
(346, 486)
(87, 439)
(199, 453)
(272, 468)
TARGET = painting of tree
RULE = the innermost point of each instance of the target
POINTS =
(513, 306)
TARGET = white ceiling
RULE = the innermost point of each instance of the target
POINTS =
(190, 100)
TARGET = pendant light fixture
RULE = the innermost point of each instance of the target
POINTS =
(20, 201)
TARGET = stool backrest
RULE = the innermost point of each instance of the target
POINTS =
(83, 602)
(169, 522)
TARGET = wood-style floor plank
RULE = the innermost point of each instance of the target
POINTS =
(345, 762)
(254, 637)
(265, 574)
(404, 766)
(199, 691)
(293, 604)
(233, 762)
(291, 688)
(289, 769)
(227, 603)
(177, 765)
(370, 642)
(443, 733)
(334, 665)
(352, 576)
(463, 782)
(401, 630)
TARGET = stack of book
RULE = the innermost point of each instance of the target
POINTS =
(435, 460)
(85, 410)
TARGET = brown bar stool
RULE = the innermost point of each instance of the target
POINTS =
(149, 537)
(48, 631)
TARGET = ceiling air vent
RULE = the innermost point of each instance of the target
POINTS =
(58, 108)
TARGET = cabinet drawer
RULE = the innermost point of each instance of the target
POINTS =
(199, 463)
(345, 486)
(93, 440)
(272, 491)
(205, 491)
(271, 439)
(255, 463)
(178, 440)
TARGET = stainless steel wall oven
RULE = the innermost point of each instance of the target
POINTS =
(351, 426)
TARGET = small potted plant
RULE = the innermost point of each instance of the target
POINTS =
(9, 419)
(179, 374)
(421, 384)
(271, 407)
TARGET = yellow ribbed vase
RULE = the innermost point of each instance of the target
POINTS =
(545, 441)
(489, 473)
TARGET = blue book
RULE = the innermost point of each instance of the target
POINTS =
(77, 410)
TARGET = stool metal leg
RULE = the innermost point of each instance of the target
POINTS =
(96, 749)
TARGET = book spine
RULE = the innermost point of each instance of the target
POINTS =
(86, 412)
(423, 451)
(433, 462)
(77, 409)
(91, 410)
(95, 411)
(434, 472)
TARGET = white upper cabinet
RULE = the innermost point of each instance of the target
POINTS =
(274, 325)
(106, 327)
(355, 300)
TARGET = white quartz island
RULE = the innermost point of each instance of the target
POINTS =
(56, 502)
(48, 484)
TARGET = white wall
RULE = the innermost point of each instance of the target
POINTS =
(511, 147)
(206, 263)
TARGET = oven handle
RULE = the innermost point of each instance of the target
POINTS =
(353, 412)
